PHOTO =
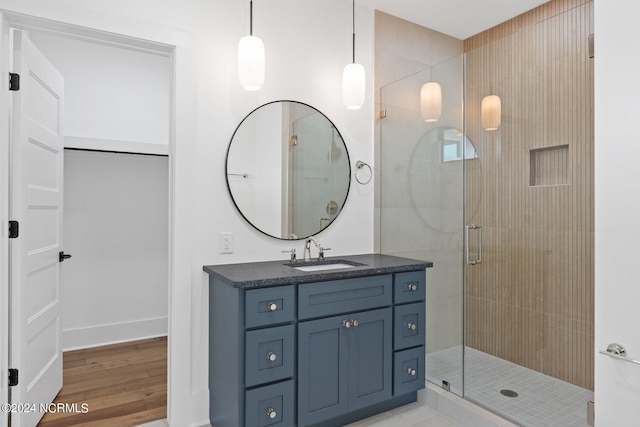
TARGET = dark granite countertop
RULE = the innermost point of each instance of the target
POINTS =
(276, 273)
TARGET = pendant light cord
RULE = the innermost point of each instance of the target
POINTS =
(251, 18)
(353, 16)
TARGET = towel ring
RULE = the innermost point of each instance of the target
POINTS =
(363, 176)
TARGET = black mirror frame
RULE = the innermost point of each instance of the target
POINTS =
(226, 170)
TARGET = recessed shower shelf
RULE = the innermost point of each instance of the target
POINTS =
(549, 166)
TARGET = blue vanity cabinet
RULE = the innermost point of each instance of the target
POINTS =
(297, 352)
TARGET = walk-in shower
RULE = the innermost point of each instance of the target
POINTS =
(505, 214)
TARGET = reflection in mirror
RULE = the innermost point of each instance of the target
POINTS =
(288, 170)
(435, 176)
(452, 146)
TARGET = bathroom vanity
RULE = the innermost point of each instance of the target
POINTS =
(324, 343)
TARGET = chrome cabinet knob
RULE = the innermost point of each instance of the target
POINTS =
(411, 326)
(355, 322)
(412, 287)
(271, 413)
(272, 306)
(272, 356)
(346, 324)
(411, 372)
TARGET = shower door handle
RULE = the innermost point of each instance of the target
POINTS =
(478, 259)
(616, 351)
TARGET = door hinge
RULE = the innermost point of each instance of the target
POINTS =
(14, 229)
(383, 114)
(13, 377)
(14, 81)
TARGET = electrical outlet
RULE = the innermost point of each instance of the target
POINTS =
(226, 243)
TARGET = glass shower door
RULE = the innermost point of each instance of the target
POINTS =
(529, 303)
(422, 203)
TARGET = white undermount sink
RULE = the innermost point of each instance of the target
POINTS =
(320, 267)
(323, 264)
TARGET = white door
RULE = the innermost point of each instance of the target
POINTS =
(617, 156)
(35, 347)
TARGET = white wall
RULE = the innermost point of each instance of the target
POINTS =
(115, 226)
(307, 45)
(617, 318)
(116, 98)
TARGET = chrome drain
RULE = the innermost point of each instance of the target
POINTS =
(508, 393)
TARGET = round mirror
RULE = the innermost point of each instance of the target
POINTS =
(288, 170)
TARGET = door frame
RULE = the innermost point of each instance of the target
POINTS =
(4, 218)
(177, 45)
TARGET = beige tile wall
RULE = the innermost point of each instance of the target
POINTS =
(531, 300)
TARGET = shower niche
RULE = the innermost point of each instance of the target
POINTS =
(549, 166)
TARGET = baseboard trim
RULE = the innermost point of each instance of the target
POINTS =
(94, 336)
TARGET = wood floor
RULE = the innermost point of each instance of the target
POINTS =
(122, 385)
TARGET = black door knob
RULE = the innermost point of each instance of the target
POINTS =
(62, 256)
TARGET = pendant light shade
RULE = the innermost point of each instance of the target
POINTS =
(353, 86)
(353, 77)
(251, 58)
(491, 112)
(251, 63)
(431, 102)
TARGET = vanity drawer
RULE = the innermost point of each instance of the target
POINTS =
(408, 329)
(271, 405)
(268, 306)
(342, 296)
(408, 371)
(269, 354)
(409, 287)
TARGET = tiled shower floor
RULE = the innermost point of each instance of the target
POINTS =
(542, 401)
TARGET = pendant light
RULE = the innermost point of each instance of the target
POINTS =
(431, 102)
(353, 76)
(491, 112)
(251, 58)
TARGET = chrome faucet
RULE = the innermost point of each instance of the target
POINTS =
(307, 247)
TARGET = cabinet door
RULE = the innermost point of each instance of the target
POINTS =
(322, 369)
(370, 358)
